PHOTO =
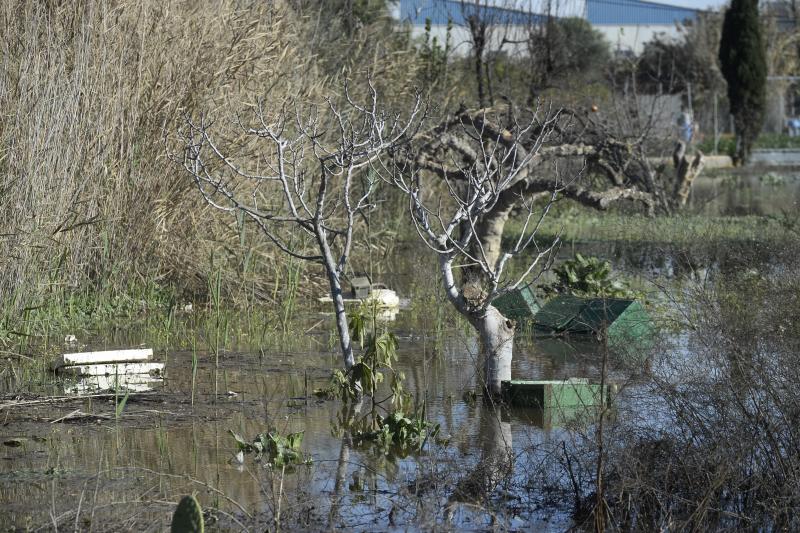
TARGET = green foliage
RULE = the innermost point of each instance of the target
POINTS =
(434, 57)
(566, 48)
(588, 276)
(742, 56)
(375, 364)
(399, 433)
(280, 450)
(120, 404)
(668, 65)
(379, 356)
(188, 516)
(396, 432)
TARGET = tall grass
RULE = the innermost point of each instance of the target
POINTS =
(88, 88)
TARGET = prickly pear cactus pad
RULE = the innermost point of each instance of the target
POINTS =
(188, 517)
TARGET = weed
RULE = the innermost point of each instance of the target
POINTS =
(280, 450)
(399, 433)
(588, 276)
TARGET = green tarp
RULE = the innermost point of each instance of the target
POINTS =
(519, 304)
(623, 321)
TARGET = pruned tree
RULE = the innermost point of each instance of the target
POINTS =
(465, 177)
(482, 166)
(312, 178)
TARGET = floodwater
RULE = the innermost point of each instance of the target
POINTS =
(747, 193)
(77, 464)
(126, 473)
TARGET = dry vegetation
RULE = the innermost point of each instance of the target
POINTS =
(91, 90)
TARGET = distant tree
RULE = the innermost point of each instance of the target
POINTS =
(482, 19)
(671, 65)
(563, 48)
(742, 56)
(352, 14)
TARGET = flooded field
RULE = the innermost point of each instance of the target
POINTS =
(113, 461)
(750, 193)
(74, 461)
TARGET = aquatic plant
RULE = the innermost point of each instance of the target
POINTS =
(281, 450)
(399, 432)
(588, 276)
(374, 366)
(188, 516)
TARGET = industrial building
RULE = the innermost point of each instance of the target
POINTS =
(626, 24)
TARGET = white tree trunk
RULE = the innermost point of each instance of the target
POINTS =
(497, 337)
(495, 330)
(341, 321)
(342, 326)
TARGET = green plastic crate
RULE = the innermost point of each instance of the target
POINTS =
(624, 322)
(519, 304)
(552, 394)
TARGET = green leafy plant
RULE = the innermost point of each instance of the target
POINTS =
(398, 432)
(743, 63)
(188, 517)
(374, 366)
(588, 276)
(379, 355)
(281, 450)
(120, 405)
(401, 428)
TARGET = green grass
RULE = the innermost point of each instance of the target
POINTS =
(727, 143)
(580, 225)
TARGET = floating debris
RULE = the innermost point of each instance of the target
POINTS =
(109, 356)
(118, 382)
(550, 394)
(130, 370)
(113, 369)
(360, 287)
(383, 297)
(363, 291)
(558, 403)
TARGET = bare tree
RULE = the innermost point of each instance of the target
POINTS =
(313, 177)
(483, 167)
(465, 177)
(483, 20)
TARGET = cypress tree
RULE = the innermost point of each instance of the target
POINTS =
(744, 64)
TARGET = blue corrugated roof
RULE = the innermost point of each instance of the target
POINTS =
(440, 12)
(608, 12)
(632, 12)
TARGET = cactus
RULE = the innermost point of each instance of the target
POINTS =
(188, 517)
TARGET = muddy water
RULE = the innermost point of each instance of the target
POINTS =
(114, 473)
(74, 464)
(756, 192)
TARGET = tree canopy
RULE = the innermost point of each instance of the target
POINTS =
(743, 60)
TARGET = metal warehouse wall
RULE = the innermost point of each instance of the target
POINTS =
(519, 12)
(600, 12)
(633, 12)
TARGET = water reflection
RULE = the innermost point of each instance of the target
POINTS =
(494, 467)
(122, 383)
(754, 193)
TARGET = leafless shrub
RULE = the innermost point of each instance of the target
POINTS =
(710, 440)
